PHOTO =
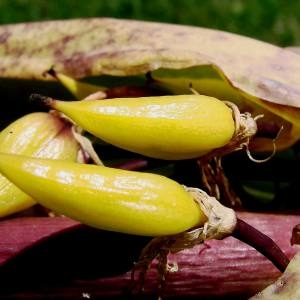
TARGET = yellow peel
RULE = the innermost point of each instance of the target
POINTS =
(214, 87)
(39, 135)
(166, 127)
(79, 89)
(106, 198)
(220, 88)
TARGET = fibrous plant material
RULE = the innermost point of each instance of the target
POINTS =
(221, 222)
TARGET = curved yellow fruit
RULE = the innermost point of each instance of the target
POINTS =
(166, 127)
(214, 87)
(106, 198)
(36, 134)
(78, 88)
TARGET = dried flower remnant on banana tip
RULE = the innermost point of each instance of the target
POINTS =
(213, 177)
(221, 222)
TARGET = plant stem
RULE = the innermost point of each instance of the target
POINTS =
(262, 243)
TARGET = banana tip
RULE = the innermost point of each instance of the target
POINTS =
(41, 100)
(51, 72)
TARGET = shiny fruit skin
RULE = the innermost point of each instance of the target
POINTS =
(106, 198)
(37, 134)
(165, 127)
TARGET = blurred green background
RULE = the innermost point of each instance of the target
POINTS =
(274, 21)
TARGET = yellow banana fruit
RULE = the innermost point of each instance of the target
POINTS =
(78, 88)
(37, 134)
(87, 91)
(210, 86)
(165, 127)
(106, 198)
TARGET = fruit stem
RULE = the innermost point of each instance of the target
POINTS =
(261, 242)
(41, 100)
(131, 165)
(51, 72)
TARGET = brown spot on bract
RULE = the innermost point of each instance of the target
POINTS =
(281, 284)
(4, 37)
(78, 63)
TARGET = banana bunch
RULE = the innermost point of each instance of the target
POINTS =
(38, 152)
(236, 78)
(152, 126)
(36, 134)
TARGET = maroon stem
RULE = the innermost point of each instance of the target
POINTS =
(262, 243)
(51, 72)
(135, 164)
